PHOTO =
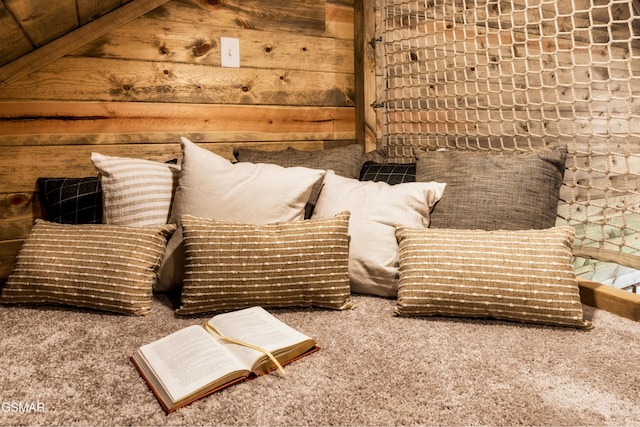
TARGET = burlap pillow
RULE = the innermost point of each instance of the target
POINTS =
(292, 264)
(495, 191)
(521, 275)
(105, 267)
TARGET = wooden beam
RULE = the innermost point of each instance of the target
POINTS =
(56, 49)
(626, 259)
(608, 298)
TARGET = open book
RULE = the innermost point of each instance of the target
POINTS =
(198, 360)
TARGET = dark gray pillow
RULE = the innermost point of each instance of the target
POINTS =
(493, 191)
(344, 161)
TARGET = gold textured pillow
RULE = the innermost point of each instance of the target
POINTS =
(288, 264)
(105, 267)
(521, 275)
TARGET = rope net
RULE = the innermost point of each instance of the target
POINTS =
(520, 74)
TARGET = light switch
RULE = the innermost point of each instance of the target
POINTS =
(229, 52)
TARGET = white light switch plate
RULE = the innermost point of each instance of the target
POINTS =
(229, 52)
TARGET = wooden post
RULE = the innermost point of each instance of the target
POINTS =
(365, 72)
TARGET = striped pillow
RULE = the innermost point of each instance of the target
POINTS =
(136, 192)
(230, 265)
(105, 267)
(522, 275)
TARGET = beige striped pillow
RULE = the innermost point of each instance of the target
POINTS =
(289, 264)
(522, 275)
(105, 267)
(136, 191)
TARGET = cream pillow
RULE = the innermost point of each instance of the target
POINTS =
(136, 192)
(521, 275)
(210, 186)
(229, 265)
(376, 207)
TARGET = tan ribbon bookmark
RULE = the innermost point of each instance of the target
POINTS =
(251, 346)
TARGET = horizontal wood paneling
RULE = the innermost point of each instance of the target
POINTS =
(8, 252)
(286, 16)
(98, 79)
(134, 91)
(199, 43)
(54, 123)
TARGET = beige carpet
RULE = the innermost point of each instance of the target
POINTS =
(373, 369)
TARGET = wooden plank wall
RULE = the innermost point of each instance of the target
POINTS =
(135, 91)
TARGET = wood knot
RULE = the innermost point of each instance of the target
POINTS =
(201, 49)
(18, 200)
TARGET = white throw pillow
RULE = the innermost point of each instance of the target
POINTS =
(136, 192)
(210, 186)
(376, 207)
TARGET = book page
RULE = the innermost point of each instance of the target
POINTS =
(188, 360)
(258, 327)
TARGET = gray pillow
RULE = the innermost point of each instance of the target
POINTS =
(493, 191)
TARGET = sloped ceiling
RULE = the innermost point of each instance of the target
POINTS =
(26, 25)
(36, 32)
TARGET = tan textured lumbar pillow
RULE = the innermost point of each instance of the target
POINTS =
(522, 275)
(210, 186)
(292, 264)
(105, 267)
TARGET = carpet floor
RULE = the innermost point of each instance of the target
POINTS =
(72, 368)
